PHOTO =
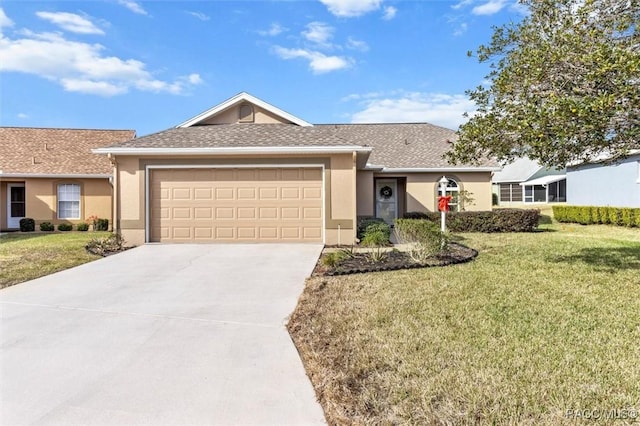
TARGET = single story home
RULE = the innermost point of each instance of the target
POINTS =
(526, 181)
(51, 175)
(602, 184)
(247, 171)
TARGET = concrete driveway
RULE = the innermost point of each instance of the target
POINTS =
(161, 334)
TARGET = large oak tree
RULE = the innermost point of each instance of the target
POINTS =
(564, 86)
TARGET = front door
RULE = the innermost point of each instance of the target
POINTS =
(15, 204)
(387, 199)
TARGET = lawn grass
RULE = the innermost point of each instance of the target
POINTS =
(538, 324)
(24, 257)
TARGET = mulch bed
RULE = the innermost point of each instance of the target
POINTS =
(395, 260)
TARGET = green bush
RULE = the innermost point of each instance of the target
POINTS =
(587, 215)
(423, 237)
(363, 224)
(65, 227)
(494, 199)
(82, 226)
(27, 225)
(499, 220)
(333, 259)
(101, 225)
(46, 226)
(379, 232)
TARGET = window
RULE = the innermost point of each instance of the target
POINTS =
(69, 201)
(510, 192)
(454, 191)
(246, 113)
(535, 194)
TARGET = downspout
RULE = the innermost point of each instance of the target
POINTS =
(354, 197)
(115, 222)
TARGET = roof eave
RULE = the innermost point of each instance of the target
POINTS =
(56, 175)
(235, 150)
(240, 97)
(438, 169)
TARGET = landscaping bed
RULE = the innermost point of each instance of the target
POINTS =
(361, 262)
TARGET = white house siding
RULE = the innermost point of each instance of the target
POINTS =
(615, 185)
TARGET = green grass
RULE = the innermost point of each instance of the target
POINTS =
(538, 324)
(24, 257)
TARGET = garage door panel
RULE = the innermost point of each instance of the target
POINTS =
(226, 205)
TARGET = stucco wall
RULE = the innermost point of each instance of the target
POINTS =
(339, 190)
(365, 190)
(616, 185)
(41, 199)
(232, 116)
(422, 190)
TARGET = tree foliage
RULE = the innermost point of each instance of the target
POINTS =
(564, 86)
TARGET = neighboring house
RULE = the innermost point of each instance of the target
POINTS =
(247, 171)
(526, 181)
(605, 184)
(51, 175)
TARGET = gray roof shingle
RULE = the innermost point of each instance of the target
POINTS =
(411, 145)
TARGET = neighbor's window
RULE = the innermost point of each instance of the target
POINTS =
(69, 201)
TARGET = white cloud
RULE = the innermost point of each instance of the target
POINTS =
(461, 4)
(133, 6)
(4, 20)
(82, 67)
(461, 29)
(436, 108)
(201, 16)
(70, 22)
(351, 8)
(489, 8)
(22, 116)
(354, 44)
(319, 33)
(273, 30)
(318, 62)
(389, 13)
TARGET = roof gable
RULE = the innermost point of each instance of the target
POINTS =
(221, 111)
(45, 151)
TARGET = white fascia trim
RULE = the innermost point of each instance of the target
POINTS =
(240, 97)
(147, 189)
(440, 170)
(235, 150)
(53, 176)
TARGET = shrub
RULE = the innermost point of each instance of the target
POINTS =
(27, 225)
(423, 237)
(379, 232)
(101, 225)
(364, 222)
(82, 226)
(499, 220)
(104, 246)
(46, 226)
(333, 259)
(494, 199)
(65, 227)
(587, 215)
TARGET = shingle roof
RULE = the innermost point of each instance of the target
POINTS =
(25, 150)
(418, 145)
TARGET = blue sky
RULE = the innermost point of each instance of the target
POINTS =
(150, 65)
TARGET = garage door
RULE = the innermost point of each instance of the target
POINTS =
(236, 205)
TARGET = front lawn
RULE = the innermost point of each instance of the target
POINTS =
(24, 257)
(537, 325)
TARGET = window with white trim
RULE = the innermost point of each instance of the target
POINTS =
(453, 189)
(68, 201)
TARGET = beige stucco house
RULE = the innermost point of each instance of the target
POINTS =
(51, 175)
(246, 171)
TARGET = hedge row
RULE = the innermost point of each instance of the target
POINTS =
(590, 215)
(499, 220)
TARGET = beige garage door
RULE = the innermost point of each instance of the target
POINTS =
(236, 205)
